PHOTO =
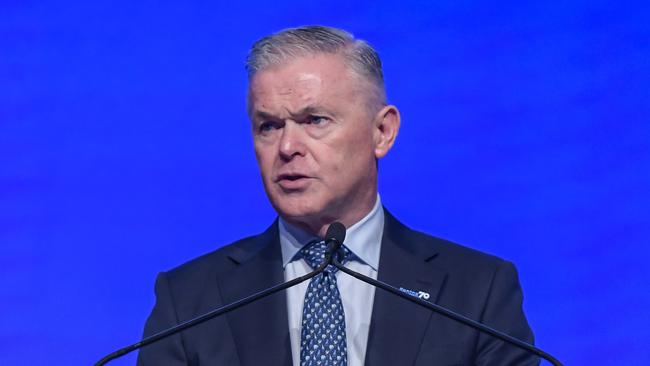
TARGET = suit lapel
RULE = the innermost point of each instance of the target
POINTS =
(260, 329)
(398, 325)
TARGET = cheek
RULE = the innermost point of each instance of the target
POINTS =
(359, 147)
(350, 160)
(264, 160)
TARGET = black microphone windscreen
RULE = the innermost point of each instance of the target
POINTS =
(336, 231)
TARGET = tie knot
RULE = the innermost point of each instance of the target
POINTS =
(314, 254)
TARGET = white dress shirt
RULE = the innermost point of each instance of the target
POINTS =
(364, 241)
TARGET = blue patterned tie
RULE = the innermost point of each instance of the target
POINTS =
(322, 339)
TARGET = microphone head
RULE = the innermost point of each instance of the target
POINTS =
(334, 239)
(336, 232)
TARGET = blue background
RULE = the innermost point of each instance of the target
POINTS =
(125, 150)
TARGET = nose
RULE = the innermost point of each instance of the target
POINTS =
(291, 141)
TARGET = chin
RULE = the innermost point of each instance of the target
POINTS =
(298, 208)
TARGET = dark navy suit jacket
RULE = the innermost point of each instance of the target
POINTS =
(477, 285)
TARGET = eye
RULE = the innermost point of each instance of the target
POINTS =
(268, 126)
(318, 120)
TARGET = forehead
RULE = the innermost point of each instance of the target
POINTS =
(323, 78)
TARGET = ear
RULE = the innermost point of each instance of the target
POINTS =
(386, 126)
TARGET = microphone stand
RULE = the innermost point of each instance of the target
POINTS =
(219, 311)
(448, 313)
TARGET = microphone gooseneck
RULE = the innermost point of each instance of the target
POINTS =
(334, 238)
(449, 314)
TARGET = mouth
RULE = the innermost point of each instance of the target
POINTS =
(292, 181)
(291, 177)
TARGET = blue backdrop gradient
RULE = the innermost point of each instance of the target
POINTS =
(125, 150)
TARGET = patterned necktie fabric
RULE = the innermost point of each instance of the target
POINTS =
(322, 338)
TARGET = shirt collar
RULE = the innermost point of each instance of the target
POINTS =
(363, 238)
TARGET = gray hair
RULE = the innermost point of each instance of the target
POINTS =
(289, 43)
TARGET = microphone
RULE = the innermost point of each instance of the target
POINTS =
(435, 307)
(335, 233)
(334, 238)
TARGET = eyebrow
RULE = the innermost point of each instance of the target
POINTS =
(305, 111)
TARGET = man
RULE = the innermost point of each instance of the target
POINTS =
(320, 124)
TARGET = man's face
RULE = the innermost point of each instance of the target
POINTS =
(315, 140)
